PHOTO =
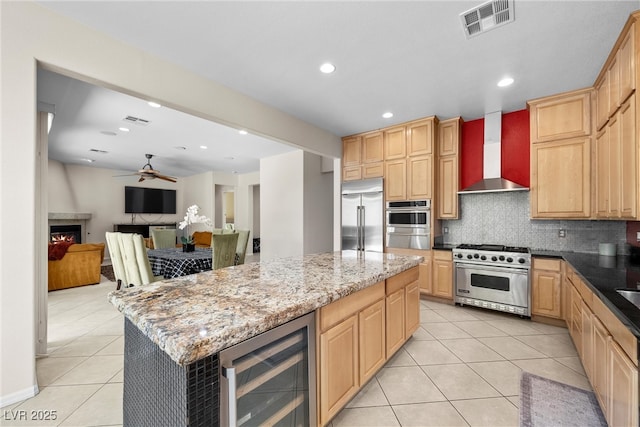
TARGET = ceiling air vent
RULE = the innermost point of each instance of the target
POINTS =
(487, 16)
(136, 121)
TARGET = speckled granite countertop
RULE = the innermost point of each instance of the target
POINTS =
(604, 274)
(198, 315)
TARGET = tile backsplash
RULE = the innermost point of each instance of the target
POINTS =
(503, 218)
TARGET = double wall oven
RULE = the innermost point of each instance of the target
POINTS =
(408, 224)
(493, 276)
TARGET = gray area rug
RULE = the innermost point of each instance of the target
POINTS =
(107, 271)
(544, 402)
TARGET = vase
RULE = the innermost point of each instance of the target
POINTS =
(188, 247)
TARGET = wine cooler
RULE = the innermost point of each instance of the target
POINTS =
(270, 379)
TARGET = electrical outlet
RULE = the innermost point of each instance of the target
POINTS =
(562, 233)
(445, 230)
(638, 236)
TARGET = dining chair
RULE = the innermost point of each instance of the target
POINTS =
(136, 261)
(163, 238)
(117, 263)
(224, 250)
(241, 248)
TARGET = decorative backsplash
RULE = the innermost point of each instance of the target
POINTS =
(503, 218)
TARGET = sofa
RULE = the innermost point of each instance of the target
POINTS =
(78, 267)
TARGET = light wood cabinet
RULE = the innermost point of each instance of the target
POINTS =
(614, 85)
(602, 101)
(351, 173)
(546, 288)
(448, 168)
(626, 63)
(412, 308)
(608, 185)
(449, 137)
(443, 274)
(362, 156)
(372, 147)
(622, 409)
(561, 179)
(562, 116)
(587, 340)
(420, 135)
(395, 179)
(395, 306)
(420, 177)
(395, 143)
(351, 151)
(372, 346)
(628, 160)
(426, 277)
(372, 170)
(599, 376)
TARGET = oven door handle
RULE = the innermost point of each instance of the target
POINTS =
(470, 266)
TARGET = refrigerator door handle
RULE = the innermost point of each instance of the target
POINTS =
(359, 228)
(230, 375)
(362, 227)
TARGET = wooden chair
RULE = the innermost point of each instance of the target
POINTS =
(117, 263)
(136, 261)
(241, 248)
(163, 238)
(224, 250)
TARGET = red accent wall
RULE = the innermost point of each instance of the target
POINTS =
(632, 228)
(515, 149)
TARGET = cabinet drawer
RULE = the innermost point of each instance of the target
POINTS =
(547, 264)
(401, 280)
(443, 255)
(339, 310)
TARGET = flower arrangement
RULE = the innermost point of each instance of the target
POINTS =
(192, 217)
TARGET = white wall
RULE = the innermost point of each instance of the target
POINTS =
(256, 211)
(31, 34)
(318, 206)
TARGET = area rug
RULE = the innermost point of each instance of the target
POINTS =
(544, 402)
(107, 271)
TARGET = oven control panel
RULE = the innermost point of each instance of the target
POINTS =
(515, 259)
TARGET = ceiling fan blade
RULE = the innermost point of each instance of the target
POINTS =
(141, 179)
(129, 174)
(167, 178)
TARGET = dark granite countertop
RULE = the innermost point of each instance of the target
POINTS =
(603, 275)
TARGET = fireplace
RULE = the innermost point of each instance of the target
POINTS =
(65, 233)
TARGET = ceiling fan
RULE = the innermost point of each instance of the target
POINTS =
(148, 172)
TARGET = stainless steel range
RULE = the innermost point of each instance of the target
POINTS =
(496, 277)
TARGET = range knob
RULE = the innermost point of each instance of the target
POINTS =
(469, 256)
(494, 258)
(521, 260)
(483, 257)
(509, 259)
(476, 256)
(459, 255)
(501, 257)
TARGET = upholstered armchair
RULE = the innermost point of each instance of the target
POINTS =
(163, 238)
(78, 267)
(117, 263)
(224, 250)
(135, 260)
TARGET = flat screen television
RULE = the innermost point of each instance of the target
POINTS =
(149, 200)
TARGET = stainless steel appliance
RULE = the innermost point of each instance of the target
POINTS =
(362, 215)
(270, 379)
(408, 224)
(493, 276)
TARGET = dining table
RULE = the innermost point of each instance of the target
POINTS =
(173, 262)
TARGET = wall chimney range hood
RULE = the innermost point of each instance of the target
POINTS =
(492, 159)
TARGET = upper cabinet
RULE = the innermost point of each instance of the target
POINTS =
(561, 116)
(362, 156)
(448, 168)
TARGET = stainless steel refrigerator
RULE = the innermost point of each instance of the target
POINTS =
(363, 215)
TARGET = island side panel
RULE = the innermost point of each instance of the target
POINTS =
(159, 392)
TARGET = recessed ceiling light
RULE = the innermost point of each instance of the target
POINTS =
(204, 147)
(387, 115)
(154, 104)
(88, 160)
(327, 68)
(505, 82)
(108, 133)
(243, 132)
(124, 129)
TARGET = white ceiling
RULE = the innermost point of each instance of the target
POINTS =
(411, 58)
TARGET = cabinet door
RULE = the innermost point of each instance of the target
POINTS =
(576, 319)
(420, 182)
(395, 321)
(338, 367)
(448, 187)
(372, 148)
(443, 278)
(546, 297)
(351, 173)
(448, 137)
(426, 279)
(412, 308)
(614, 86)
(623, 388)
(602, 102)
(420, 137)
(628, 160)
(560, 179)
(614, 167)
(372, 340)
(599, 381)
(395, 143)
(395, 179)
(626, 63)
(563, 116)
(602, 173)
(351, 154)
(372, 170)
(587, 342)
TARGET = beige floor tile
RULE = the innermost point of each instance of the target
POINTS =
(116, 347)
(430, 353)
(422, 335)
(573, 363)
(370, 395)
(549, 329)
(515, 326)
(431, 316)
(102, 315)
(366, 417)
(484, 314)
(64, 400)
(445, 331)
(114, 326)
(550, 345)
(401, 358)
(435, 305)
(433, 414)
(549, 368)
(49, 369)
(458, 382)
(492, 412)
(471, 350)
(84, 346)
(503, 376)
(515, 400)
(510, 348)
(118, 378)
(408, 385)
(480, 329)
(95, 370)
(457, 314)
(102, 409)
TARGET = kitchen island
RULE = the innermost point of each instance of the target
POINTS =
(175, 329)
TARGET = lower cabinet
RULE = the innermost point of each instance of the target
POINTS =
(443, 274)
(546, 286)
(357, 334)
(622, 409)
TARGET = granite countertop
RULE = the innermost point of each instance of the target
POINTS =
(603, 275)
(194, 316)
